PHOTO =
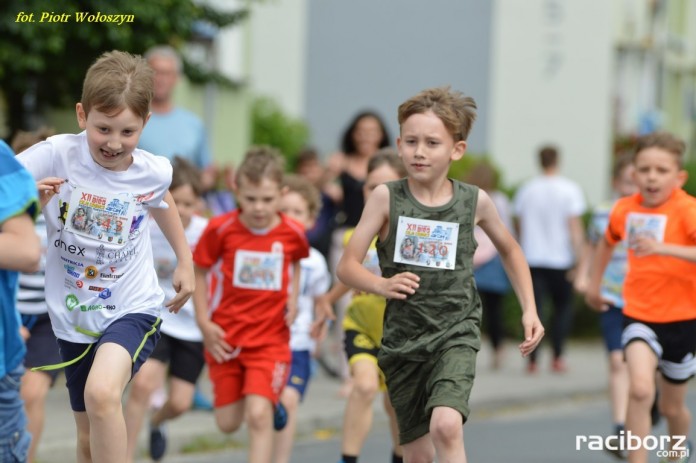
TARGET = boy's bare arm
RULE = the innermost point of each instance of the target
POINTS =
(645, 246)
(20, 247)
(213, 334)
(183, 280)
(516, 268)
(600, 260)
(293, 294)
(350, 269)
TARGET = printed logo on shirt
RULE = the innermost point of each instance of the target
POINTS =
(121, 255)
(96, 288)
(71, 302)
(79, 284)
(91, 272)
(63, 211)
(105, 294)
(72, 262)
(72, 249)
(70, 270)
(70, 283)
(135, 227)
(110, 276)
(145, 197)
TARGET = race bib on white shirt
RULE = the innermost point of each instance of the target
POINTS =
(426, 243)
(100, 216)
(258, 270)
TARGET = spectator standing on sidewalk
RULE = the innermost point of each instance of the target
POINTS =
(549, 210)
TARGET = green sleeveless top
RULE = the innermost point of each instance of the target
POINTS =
(445, 310)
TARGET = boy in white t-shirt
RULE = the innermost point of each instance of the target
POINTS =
(301, 201)
(101, 285)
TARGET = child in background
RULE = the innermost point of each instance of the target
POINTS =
(301, 202)
(36, 326)
(363, 334)
(658, 225)
(246, 332)
(102, 293)
(179, 352)
(431, 323)
(611, 319)
(20, 251)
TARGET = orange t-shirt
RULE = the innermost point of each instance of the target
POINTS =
(657, 289)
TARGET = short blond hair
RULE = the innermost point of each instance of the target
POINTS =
(456, 111)
(118, 80)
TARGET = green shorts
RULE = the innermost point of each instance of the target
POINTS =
(416, 388)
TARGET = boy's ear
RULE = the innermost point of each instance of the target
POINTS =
(682, 177)
(458, 150)
(147, 118)
(81, 116)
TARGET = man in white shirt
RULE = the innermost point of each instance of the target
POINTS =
(549, 210)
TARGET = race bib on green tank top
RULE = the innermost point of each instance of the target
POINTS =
(426, 243)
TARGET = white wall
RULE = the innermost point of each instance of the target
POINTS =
(278, 49)
(552, 83)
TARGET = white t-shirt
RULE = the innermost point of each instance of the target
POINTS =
(314, 281)
(544, 206)
(99, 263)
(181, 325)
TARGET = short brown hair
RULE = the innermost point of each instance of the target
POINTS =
(456, 111)
(663, 140)
(310, 193)
(118, 80)
(185, 173)
(390, 157)
(548, 156)
(262, 162)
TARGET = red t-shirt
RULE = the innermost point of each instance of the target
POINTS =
(657, 289)
(255, 276)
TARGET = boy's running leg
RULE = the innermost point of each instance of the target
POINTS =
(672, 404)
(35, 386)
(290, 398)
(259, 415)
(642, 363)
(446, 433)
(397, 451)
(110, 372)
(420, 450)
(84, 455)
(149, 379)
(357, 419)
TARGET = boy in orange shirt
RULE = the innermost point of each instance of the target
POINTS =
(659, 225)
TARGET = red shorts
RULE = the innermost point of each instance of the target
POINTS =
(255, 370)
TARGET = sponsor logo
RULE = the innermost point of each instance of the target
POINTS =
(69, 283)
(100, 254)
(71, 301)
(110, 276)
(70, 270)
(110, 307)
(79, 283)
(105, 294)
(91, 272)
(74, 263)
(120, 255)
(72, 249)
(96, 288)
(90, 307)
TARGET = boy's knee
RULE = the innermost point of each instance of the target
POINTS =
(226, 424)
(101, 398)
(366, 389)
(642, 392)
(446, 428)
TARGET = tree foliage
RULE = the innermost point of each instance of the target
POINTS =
(48, 60)
(271, 126)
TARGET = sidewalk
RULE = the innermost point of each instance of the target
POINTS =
(321, 413)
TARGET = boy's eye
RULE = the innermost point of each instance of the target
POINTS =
(103, 129)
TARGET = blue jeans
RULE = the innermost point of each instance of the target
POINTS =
(14, 439)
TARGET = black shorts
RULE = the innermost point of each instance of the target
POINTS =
(674, 345)
(185, 358)
(42, 345)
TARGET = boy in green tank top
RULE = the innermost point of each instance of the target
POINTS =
(425, 224)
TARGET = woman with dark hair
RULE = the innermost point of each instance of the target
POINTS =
(363, 137)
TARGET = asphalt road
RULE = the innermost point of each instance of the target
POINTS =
(542, 433)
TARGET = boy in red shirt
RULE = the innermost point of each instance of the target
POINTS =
(659, 225)
(246, 335)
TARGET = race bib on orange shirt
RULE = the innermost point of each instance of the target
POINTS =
(426, 243)
(639, 225)
(258, 270)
